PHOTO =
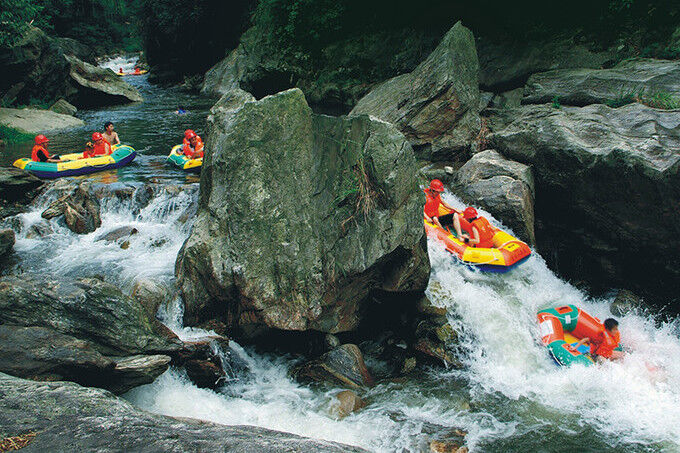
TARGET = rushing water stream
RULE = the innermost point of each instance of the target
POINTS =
(509, 397)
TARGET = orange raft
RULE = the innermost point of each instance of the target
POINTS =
(507, 252)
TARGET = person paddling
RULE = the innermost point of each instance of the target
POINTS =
(192, 146)
(475, 230)
(603, 345)
(110, 135)
(99, 147)
(432, 202)
(40, 153)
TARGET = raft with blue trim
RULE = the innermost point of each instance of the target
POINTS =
(74, 164)
(562, 327)
(507, 252)
(179, 160)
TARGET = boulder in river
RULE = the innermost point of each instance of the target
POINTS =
(7, 239)
(503, 187)
(62, 106)
(345, 403)
(625, 302)
(133, 371)
(17, 189)
(436, 105)
(608, 189)
(35, 121)
(301, 217)
(95, 86)
(99, 421)
(150, 294)
(79, 208)
(343, 365)
(625, 82)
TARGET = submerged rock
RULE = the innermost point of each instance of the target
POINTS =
(346, 402)
(502, 187)
(343, 365)
(607, 183)
(436, 105)
(301, 217)
(80, 209)
(99, 421)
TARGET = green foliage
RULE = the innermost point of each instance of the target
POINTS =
(623, 99)
(556, 102)
(15, 16)
(11, 135)
(661, 100)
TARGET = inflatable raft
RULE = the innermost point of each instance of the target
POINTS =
(75, 165)
(507, 253)
(562, 327)
(142, 72)
(178, 159)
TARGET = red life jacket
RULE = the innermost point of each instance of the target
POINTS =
(432, 202)
(605, 343)
(100, 149)
(190, 151)
(485, 230)
(34, 153)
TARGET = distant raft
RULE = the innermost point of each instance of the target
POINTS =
(562, 327)
(179, 160)
(142, 72)
(75, 165)
(507, 252)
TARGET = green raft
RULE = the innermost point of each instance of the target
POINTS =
(179, 160)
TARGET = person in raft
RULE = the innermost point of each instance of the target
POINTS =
(181, 111)
(433, 200)
(475, 230)
(110, 135)
(98, 147)
(40, 153)
(603, 345)
(137, 70)
(120, 70)
(192, 145)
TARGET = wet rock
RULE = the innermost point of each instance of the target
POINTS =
(331, 341)
(408, 366)
(625, 302)
(133, 371)
(436, 105)
(426, 307)
(507, 99)
(503, 187)
(88, 309)
(204, 373)
(598, 170)
(343, 365)
(120, 235)
(434, 340)
(271, 267)
(445, 446)
(102, 422)
(346, 403)
(150, 295)
(63, 107)
(79, 208)
(34, 121)
(39, 230)
(629, 79)
(95, 86)
(7, 240)
(17, 187)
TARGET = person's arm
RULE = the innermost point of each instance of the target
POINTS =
(449, 207)
(475, 236)
(116, 139)
(581, 341)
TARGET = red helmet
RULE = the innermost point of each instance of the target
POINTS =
(470, 213)
(436, 185)
(97, 136)
(41, 139)
(189, 133)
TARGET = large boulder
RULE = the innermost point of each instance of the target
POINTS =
(607, 189)
(17, 189)
(301, 217)
(62, 106)
(624, 82)
(436, 105)
(7, 240)
(88, 309)
(99, 421)
(35, 121)
(79, 208)
(503, 187)
(507, 64)
(343, 365)
(94, 86)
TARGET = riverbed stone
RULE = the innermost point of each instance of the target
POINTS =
(79, 208)
(7, 239)
(98, 421)
(133, 371)
(301, 216)
(436, 105)
(345, 403)
(343, 365)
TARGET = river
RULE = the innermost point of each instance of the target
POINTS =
(509, 397)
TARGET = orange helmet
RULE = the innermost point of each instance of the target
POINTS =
(189, 133)
(41, 139)
(436, 185)
(470, 213)
(97, 136)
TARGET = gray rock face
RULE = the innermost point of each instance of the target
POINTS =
(7, 240)
(88, 309)
(62, 106)
(301, 217)
(580, 87)
(502, 187)
(343, 365)
(133, 371)
(17, 189)
(34, 121)
(607, 185)
(150, 294)
(79, 208)
(95, 86)
(98, 421)
(506, 65)
(436, 105)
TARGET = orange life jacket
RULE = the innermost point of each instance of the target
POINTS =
(432, 202)
(190, 151)
(485, 230)
(34, 153)
(605, 343)
(100, 149)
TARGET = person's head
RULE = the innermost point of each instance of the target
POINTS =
(470, 213)
(193, 140)
(108, 127)
(611, 324)
(41, 140)
(97, 137)
(189, 134)
(89, 145)
(436, 186)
